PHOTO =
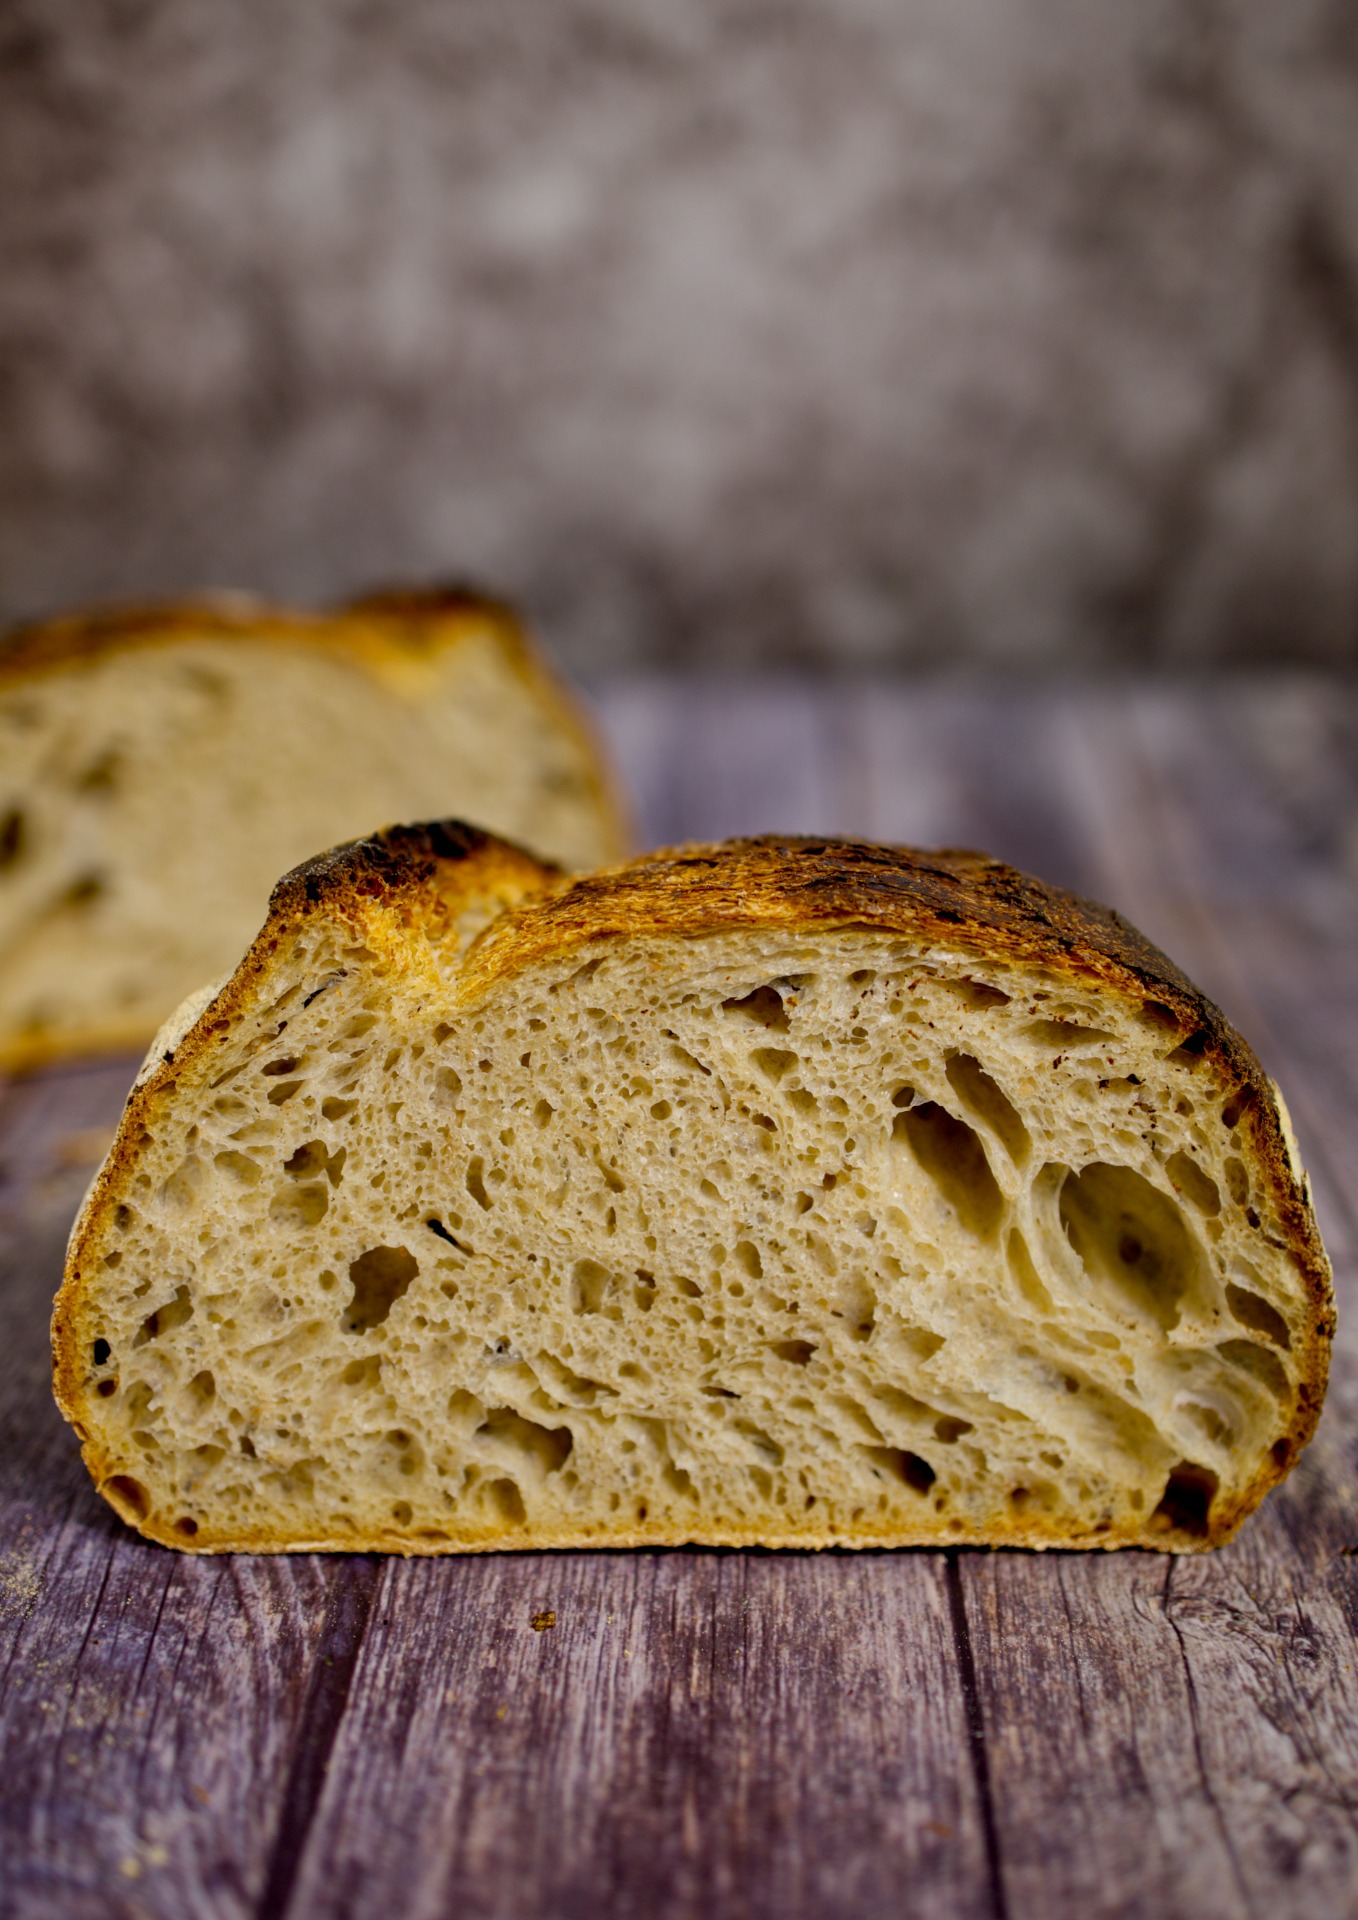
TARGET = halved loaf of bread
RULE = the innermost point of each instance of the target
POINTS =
(782, 1192)
(159, 768)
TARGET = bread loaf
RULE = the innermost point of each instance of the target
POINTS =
(781, 1192)
(160, 768)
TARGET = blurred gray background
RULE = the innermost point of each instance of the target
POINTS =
(1016, 332)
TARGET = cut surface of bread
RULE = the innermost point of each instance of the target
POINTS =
(159, 769)
(786, 1192)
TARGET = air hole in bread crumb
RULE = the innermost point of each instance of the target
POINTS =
(908, 1468)
(1186, 1504)
(949, 1428)
(335, 1109)
(1026, 1276)
(1065, 1035)
(764, 1006)
(299, 1207)
(239, 1166)
(1190, 1180)
(797, 1353)
(106, 1389)
(379, 1277)
(1257, 1314)
(1189, 1051)
(1261, 1363)
(283, 1092)
(84, 891)
(507, 1501)
(437, 1227)
(314, 1158)
(203, 1387)
(975, 993)
(593, 1289)
(547, 1447)
(990, 1104)
(128, 1496)
(1237, 1181)
(951, 1154)
(1131, 1237)
(475, 1182)
(102, 1350)
(13, 832)
(187, 1527)
(165, 1319)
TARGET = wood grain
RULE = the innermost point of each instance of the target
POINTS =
(708, 1734)
(698, 1733)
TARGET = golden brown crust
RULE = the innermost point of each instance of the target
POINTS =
(447, 617)
(960, 900)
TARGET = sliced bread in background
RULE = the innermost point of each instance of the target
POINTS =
(160, 767)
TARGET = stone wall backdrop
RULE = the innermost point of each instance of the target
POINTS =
(849, 331)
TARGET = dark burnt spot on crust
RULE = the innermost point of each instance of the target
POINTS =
(390, 862)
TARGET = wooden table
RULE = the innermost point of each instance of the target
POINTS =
(745, 1734)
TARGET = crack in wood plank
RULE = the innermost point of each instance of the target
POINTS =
(976, 1732)
(354, 1588)
(1227, 1839)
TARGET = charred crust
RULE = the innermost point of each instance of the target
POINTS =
(400, 859)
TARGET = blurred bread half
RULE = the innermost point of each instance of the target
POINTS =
(160, 766)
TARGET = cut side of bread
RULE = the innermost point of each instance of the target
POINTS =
(159, 768)
(784, 1192)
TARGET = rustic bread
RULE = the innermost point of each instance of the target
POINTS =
(782, 1192)
(160, 768)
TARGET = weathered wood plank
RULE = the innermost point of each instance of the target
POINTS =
(698, 1733)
